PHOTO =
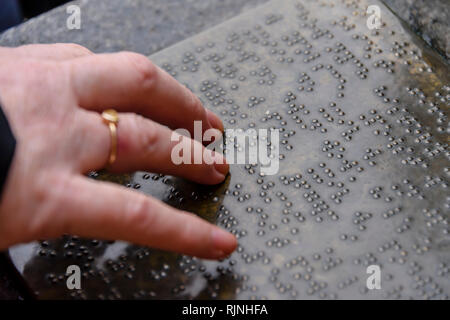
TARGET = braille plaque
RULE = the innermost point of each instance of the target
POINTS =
(362, 186)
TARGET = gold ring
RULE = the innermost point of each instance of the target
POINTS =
(111, 118)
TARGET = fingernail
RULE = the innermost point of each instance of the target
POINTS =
(223, 241)
(220, 163)
(214, 120)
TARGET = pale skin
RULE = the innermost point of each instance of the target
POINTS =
(53, 96)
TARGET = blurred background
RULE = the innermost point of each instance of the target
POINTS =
(14, 12)
(428, 18)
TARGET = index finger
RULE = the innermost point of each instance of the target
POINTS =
(108, 211)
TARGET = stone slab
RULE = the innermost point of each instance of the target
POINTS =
(363, 176)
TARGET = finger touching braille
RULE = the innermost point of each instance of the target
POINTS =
(131, 82)
(143, 144)
(108, 211)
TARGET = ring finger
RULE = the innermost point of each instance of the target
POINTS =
(143, 144)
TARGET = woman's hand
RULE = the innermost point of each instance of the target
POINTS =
(53, 96)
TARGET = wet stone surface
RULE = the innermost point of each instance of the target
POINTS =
(363, 179)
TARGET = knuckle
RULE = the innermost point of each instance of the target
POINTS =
(141, 213)
(77, 49)
(145, 69)
(196, 107)
(146, 136)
